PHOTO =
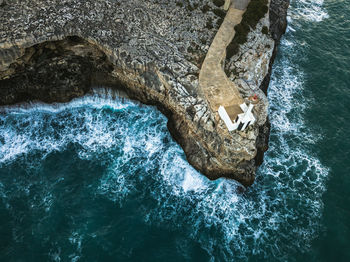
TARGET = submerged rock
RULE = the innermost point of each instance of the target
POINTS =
(54, 50)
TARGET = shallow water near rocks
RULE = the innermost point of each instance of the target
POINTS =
(101, 179)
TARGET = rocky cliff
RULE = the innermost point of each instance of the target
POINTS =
(56, 50)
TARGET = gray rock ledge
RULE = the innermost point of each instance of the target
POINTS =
(56, 50)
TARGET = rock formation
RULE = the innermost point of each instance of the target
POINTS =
(56, 50)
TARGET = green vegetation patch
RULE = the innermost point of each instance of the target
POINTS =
(219, 3)
(219, 12)
(205, 8)
(256, 10)
(265, 30)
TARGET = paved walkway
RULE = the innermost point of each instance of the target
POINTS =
(213, 82)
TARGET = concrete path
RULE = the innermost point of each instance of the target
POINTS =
(213, 82)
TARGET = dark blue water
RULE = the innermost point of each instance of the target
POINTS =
(101, 179)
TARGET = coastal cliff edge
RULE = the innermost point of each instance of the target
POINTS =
(152, 51)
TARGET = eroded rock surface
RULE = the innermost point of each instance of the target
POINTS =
(54, 50)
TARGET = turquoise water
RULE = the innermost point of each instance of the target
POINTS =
(101, 179)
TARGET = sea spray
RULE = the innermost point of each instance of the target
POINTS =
(106, 173)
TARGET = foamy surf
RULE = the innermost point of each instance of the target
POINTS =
(142, 157)
(276, 217)
(309, 10)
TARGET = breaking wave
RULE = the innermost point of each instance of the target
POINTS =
(309, 10)
(276, 217)
(142, 159)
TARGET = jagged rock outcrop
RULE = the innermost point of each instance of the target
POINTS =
(250, 68)
(278, 18)
(55, 50)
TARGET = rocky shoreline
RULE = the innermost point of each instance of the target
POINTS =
(54, 51)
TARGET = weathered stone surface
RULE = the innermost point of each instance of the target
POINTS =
(250, 68)
(55, 50)
(278, 18)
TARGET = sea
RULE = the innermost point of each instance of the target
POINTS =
(101, 179)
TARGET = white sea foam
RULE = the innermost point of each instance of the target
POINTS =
(278, 214)
(76, 240)
(310, 10)
(261, 220)
(225, 223)
(65, 124)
